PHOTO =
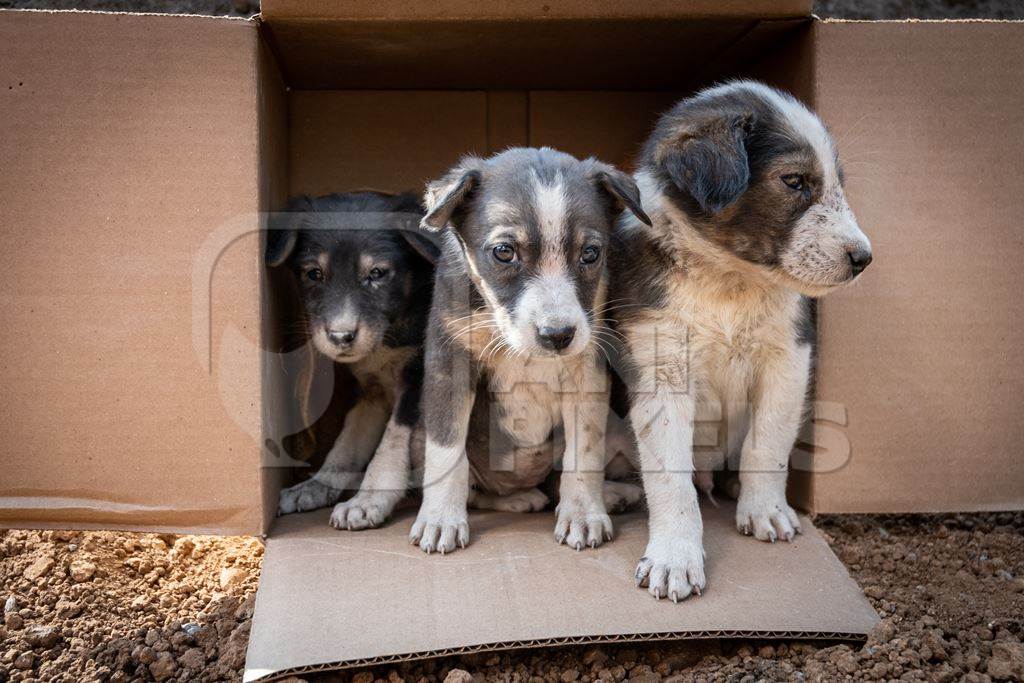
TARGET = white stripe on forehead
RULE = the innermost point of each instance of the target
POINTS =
(549, 202)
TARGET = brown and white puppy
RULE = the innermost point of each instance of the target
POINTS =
(517, 314)
(745, 190)
(364, 273)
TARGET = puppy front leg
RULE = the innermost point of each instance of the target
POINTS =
(387, 476)
(779, 396)
(449, 389)
(581, 516)
(345, 461)
(673, 563)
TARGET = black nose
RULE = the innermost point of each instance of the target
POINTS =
(341, 337)
(859, 260)
(556, 338)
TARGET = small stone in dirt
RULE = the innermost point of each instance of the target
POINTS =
(191, 629)
(1007, 661)
(164, 667)
(594, 656)
(363, 677)
(454, 676)
(182, 549)
(569, 675)
(11, 605)
(81, 570)
(42, 636)
(193, 658)
(231, 577)
(25, 660)
(40, 568)
(13, 621)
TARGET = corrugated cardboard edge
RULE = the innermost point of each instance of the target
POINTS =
(257, 675)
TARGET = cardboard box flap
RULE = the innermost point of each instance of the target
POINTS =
(333, 599)
(923, 356)
(129, 143)
(525, 44)
(511, 10)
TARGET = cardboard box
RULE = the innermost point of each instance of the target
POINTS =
(145, 383)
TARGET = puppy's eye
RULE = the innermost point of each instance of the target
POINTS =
(590, 254)
(505, 253)
(378, 273)
(793, 181)
(315, 274)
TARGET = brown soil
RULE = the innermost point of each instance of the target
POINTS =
(110, 606)
(83, 606)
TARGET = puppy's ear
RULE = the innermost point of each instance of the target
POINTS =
(283, 230)
(622, 189)
(707, 157)
(446, 196)
(424, 243)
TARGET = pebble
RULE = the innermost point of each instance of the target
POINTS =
(81, 570)
(10, 605)
(40, 568)
(454, 676)
(25, 660)
(42, 636)
(164, 667)
(231, 577)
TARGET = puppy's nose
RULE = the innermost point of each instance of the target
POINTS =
(555, 338)
(859, 260)
(341, 337)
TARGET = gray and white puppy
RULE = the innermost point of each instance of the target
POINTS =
(745, 190)
(517, 313)
(364, 274)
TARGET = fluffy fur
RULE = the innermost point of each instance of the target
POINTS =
(516, 327)
(744, 188)
(364, 274)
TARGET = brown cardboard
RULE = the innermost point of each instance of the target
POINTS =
(518, 10)
(129, 147)
(330, 599)
(924, 354)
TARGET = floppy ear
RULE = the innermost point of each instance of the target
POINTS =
(283, 231)
(708, 158)
(424, 243)
(622, 189)
(444, 197)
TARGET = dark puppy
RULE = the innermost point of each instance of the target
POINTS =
(365, 276)
(745, 190)
(517, 310)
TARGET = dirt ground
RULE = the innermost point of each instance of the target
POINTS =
(84, 606)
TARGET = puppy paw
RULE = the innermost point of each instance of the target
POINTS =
(442, 532)
(308, 495)
(365, 510)
(672, 568)
(766, 517)
(619, 496)
(579, 524)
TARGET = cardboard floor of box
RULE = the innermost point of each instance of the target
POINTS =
(330, 599)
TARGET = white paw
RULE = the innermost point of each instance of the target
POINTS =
(443, 532)
(308, 495)
(672, 568)
(365, 510)
(530, 500)
(582, 524)
(767, 517)
(619, 496)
